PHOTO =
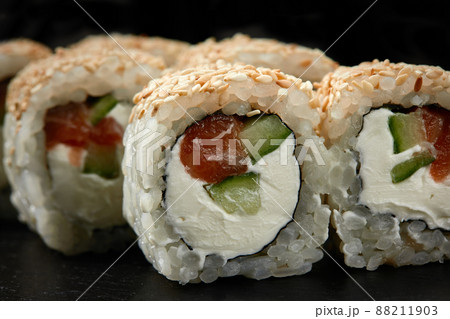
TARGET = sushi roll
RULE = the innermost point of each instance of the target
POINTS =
(168, 49)
(300, 61)
(63, 144)
(392, 122)
(213, 183)
(14, 55)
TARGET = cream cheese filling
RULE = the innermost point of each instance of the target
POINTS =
(208, 229)
(417, 197)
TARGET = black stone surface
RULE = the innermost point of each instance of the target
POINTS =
(31, 271)
(410, 31)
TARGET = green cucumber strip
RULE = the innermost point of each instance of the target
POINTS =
(402, 171)
(102, 160)
(266, 127)
(101, 108)
(237, 193)
(407, 130)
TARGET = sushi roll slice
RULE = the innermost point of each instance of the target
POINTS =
(213, 186)
(168, 49)
(309, 64)
(14, 55)
(394, 120)
(63, 144)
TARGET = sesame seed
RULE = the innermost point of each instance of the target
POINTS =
(355, 83)
(36, 88)
(406, 70)
(418, 84)
(374, 79)
(162, 94)
(284, 83)
(331, 99)
(264, 79)
(141, 114)
(89, 67)
(253, 113)
(342, 86)
(217, 83)
(434, 74)
(204, 78)
(196, 88)
(325, 101)
(205, 87)
(338, 95)
(387, 73)
(180, 92)
(169, 99)
(223, 88)
(401, 79)
(305, 63)
(157, 103)
(273, 75)
(238, 77)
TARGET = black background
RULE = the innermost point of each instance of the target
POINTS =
(409, 31)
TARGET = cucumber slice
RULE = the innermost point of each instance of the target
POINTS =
(102, 160)
(237, 193)
(268, 127)
(407, 130)
(101, 108)
(402, 171)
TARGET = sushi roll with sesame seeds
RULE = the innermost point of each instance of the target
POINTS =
(216, 184)
(168, 49)
(63, 144)
(392, 121)
(308, 64)
(14, 55)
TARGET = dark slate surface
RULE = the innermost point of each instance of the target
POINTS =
(30, 271)
(410, 31)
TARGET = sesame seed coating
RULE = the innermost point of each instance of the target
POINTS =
(166, 48)
(16, 53)
(216, 78)
(309, 64)
(351, 90)
(37, 74)
(25, 47)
